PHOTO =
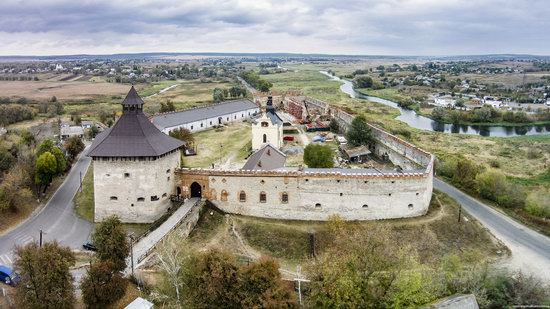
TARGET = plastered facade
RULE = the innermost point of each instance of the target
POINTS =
(137, 191)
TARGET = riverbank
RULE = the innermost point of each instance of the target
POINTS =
(392, 95)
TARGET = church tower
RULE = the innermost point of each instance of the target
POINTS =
(133, 164)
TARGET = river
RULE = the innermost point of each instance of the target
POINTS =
(424, 123)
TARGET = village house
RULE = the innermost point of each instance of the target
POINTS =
(68, 131)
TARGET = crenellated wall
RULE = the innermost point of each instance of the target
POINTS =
(313, 195)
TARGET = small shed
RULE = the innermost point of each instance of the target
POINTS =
(67, 132)
(357, 154)
(140, 303)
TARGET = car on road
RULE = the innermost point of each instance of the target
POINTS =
(89, 246)
(8, 276)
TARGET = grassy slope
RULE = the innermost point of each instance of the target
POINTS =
(84, 201)
(435, 234)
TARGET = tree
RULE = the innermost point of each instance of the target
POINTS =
(358, 270)
(363, 82)
(102, 285)
(359, 132)
(465, 173)
(74, 146)
(212, 281)
(170, 105)
(182, 134)
(46, 168)
(46, 282)
(318, 156)
(334, 126)
(438, 113)
(48, 146)
(173, 261)
(217, 95)
(111, 243)
(6, 160)
(14, 191)
(261, 286)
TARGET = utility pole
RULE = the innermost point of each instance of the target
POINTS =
(40, 238)
(132, 253)
(80, 181)
(459, 212)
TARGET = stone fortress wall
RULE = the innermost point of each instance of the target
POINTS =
(317, 194)
(147, 185)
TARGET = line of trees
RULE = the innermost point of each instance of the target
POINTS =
(46, 281)
(360, 270)
(475, 178)
(234, 92)
(254, 79)
(25, 168)
(486, 114)
(215, 279)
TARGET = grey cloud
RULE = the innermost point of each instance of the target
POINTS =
(353, 26)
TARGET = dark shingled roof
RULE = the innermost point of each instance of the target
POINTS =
(178, 118)
(275, 119)
(266, 158)
(133, 135)
(132, 98)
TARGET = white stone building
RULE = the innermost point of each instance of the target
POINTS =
(268, 129)
(201, 118)
(134, 164)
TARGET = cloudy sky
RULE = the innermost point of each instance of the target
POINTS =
(396, 27)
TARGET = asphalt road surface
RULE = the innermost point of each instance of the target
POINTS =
(530, 249)
(56, 219)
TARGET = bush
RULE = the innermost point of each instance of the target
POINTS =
(533, 153)
(538, 204)
(494, 186)
(318, 156)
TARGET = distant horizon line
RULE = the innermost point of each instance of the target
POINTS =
(267, 54)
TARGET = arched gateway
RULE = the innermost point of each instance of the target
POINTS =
(196, 189)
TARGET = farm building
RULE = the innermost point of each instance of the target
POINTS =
(201, 118)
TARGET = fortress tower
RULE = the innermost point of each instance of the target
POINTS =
(134, 164)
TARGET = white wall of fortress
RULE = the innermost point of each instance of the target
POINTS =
(146, 178)
(318, 195)
(207, 123)
(314, 196)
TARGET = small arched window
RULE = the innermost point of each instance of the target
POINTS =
(141, 199)
(411, 206)
(265, 138)
(242, 197)
(284, 198)
(265, 124)
(263, 197)
(365, 206)
(318, 205)
(114, 198)
(224, 196)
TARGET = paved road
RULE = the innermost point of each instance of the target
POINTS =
(530, 250)
(56, 219)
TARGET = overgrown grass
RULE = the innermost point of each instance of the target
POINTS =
(84, 200)
(213, 145)
(434, 235)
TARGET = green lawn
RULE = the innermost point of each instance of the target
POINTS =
(215, 145)
(84, 200)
